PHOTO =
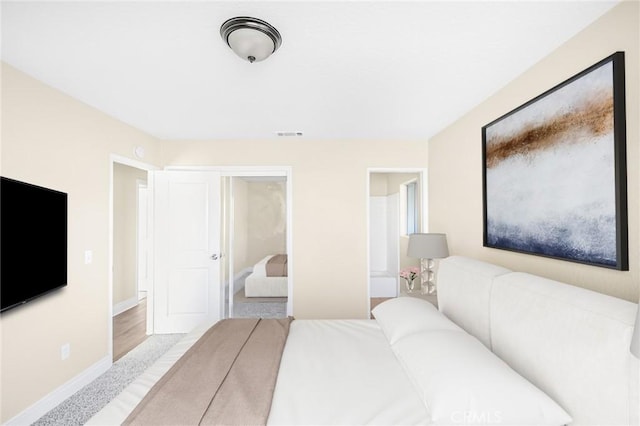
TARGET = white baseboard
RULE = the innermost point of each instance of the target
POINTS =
(63, 392)
(120, 307)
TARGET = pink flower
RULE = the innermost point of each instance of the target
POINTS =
(410, 274)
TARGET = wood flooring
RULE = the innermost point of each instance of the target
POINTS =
(129, 329)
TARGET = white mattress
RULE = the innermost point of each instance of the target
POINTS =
(332, 372)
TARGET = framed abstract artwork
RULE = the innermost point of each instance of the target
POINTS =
(554, 171)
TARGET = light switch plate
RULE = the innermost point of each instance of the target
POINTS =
(65, 351)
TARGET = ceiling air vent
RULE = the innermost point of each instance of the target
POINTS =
(288, 133)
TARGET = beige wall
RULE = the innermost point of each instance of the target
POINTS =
(53, 140)
(378, 184)
(259, 221)
(329, 180)
(267, 219)
(455, 162)
(240, 196)
(125, 224)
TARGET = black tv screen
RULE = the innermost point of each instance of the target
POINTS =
(33, 242)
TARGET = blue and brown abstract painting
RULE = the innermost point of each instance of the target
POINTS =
(552, 174)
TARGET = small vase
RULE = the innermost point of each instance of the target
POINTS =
(410, 285)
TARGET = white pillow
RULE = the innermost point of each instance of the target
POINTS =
(403, 316)
(462, 382)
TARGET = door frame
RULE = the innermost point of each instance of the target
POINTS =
(259, 171)
(424, 211)
(141, 246)
(118, 159)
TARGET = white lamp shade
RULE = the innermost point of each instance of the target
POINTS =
(248, 42)
(635, 340)
(428, 246)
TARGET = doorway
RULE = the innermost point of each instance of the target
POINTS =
(129, 255)
(256, 232)
(396, 209)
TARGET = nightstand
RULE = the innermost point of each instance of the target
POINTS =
(431, 298)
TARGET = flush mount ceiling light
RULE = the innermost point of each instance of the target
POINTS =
(250, 38)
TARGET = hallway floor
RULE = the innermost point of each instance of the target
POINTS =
(129, 329)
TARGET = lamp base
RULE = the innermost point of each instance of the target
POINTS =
(427, 277)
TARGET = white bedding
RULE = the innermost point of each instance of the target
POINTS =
(258, 284)
(352, 378)
(336, 372)
(413, 366)
(343, 372)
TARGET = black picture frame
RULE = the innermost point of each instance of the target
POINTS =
(554, 172)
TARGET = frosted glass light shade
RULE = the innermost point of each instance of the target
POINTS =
(250, 38)
(428, 246)
(249, 43)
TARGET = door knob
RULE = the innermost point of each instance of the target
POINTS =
(214, 257)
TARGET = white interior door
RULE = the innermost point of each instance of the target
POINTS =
(187, 248)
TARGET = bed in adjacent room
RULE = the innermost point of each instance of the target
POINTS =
(269, 278)
(505, 348)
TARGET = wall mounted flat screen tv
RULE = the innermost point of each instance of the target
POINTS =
(33, 242)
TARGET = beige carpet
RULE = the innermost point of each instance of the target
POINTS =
(81, 406)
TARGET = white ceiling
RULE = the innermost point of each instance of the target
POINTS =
(346, 69)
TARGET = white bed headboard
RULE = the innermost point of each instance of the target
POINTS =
(464, 290)
(570, 342)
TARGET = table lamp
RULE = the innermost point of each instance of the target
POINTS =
(427, 247)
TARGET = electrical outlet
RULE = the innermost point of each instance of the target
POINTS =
(88, 257)
(65, 351)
